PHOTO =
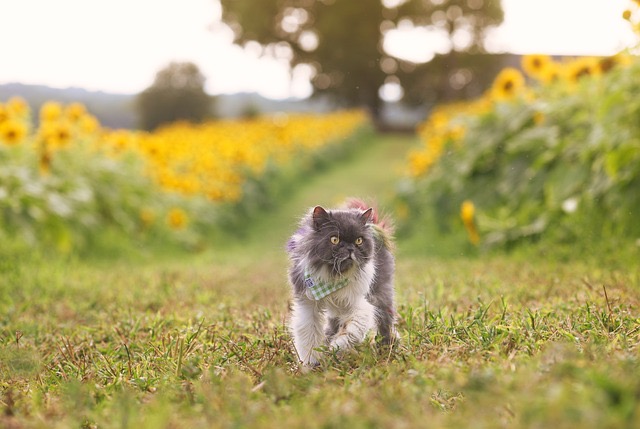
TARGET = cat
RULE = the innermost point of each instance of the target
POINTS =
(341, 272)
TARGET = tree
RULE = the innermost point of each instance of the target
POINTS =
(177, 93)
(342, 40)
(454, 76)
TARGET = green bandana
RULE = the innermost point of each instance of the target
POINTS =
(321, 288)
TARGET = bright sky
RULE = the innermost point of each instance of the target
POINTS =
(119, 45)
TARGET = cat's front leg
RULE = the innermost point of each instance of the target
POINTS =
(354, 324)
(307, 328)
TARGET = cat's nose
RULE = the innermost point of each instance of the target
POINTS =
(352, 255)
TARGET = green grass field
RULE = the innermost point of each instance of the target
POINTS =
(163, 340)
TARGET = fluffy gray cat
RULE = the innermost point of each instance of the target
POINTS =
(341, 271)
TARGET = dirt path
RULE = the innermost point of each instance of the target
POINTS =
(372, 173)
(258, 260)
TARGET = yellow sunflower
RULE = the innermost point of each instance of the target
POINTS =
(536, 65)
(18, 107)
(75, 111)
(551, 73)
(507, 84)
(467, 214)
(419, 163)
(608, 63)
(50, 111)
(582, 67)
(56, 134)
(177, 218)
(119, 141)
(88, 123)
(12, 132)
(467, 211)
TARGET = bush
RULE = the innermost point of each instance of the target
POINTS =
(558, 162)
(72, 185)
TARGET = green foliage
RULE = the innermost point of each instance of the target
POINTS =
(92, 194)
(561, 164)
(85, 195)
(177, 94)
(343, 40)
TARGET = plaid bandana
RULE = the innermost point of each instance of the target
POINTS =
(318, 288)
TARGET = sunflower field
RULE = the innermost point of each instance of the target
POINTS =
(551, 155)
(71, 184)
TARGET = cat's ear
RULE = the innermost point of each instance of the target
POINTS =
(320, 217)
(367, 216)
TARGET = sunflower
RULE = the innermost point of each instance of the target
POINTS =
(536, 65)
(17, 107)
(75, 111)
(177, 218)
(551, 73)
(419, 163)
(56, 134)
(582, 67)
(119, 141)
(507, 84)
(467, 211)
(467, 214)
(12, 132)
(608, 63)
(50, 111)
(88, 123)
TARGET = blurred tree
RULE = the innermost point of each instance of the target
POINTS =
(454, 76)
(342, 40)
(177, 93)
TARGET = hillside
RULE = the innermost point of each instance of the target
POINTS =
(118, 110)
(113, 110)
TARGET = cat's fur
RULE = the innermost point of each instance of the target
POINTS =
(343, 318)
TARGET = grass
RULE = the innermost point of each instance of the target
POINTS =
(200, 341)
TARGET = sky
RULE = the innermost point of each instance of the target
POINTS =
(119, 45)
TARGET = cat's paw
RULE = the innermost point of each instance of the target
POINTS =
(340, 343)
(307, 367)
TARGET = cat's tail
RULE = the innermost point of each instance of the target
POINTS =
(382, 222)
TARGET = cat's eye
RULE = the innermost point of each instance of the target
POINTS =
(335, 240)
(358, 241)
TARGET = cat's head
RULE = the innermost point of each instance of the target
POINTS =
(341, 239)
